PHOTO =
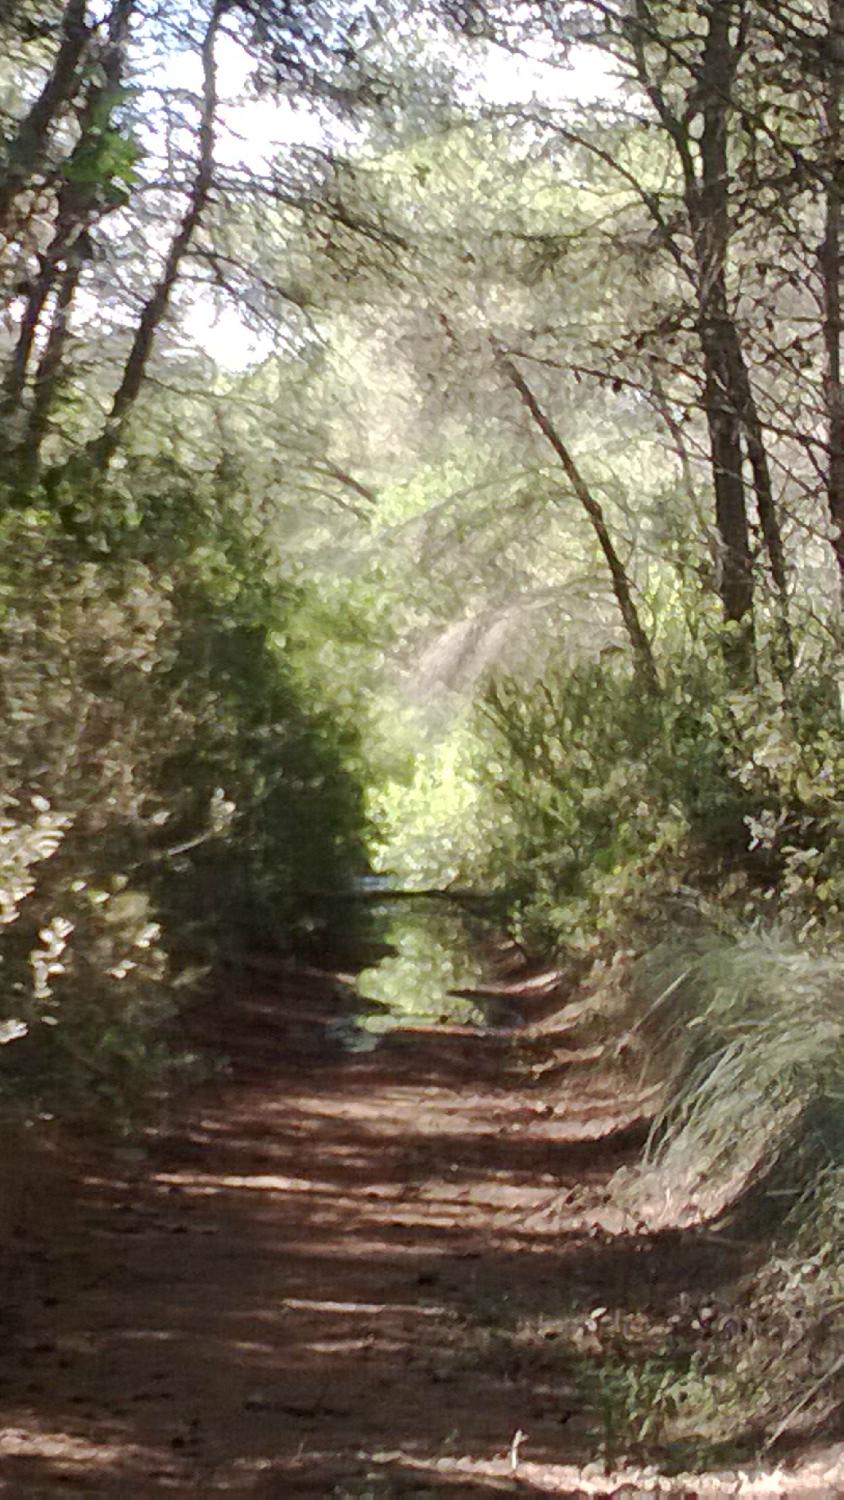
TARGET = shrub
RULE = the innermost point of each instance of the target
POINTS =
(163, 784)
(636, 812)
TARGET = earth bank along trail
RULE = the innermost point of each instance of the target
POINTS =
(366, 1275)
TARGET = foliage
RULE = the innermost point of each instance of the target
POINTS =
(682, 1405)
(746, 1027)
(792, 1336)
(82, 963)
(640, 810)
(160, 765)
(435, 959)
(754, 1027)
(428, 808)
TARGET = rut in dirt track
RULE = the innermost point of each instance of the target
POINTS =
(303, 1289)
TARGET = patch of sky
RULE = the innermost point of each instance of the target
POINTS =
(255, 131)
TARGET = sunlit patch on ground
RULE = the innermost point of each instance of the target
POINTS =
(353, 1276)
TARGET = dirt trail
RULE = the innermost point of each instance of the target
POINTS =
(318, 1281)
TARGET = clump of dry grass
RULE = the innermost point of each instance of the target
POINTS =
(750, 1031)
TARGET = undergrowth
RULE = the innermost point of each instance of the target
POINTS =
(750, 1031)
(630, 815)
(685, 851)
(166, 792)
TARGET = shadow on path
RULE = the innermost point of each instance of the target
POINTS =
(319, 1280)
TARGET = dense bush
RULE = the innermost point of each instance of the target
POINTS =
(628, 811)
(164, 788)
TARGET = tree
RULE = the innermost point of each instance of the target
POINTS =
(101, 449)
(91, 184)
(645, 666)
(725, 196)
(26, 149)
(832, 252)
(113, 156)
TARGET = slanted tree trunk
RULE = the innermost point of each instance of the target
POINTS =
(103, 448)
(27, 150)
(14, 380)
(79, 206)
(745, 403)
(643, 660)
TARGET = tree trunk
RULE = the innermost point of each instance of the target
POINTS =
(745, 404)
(644, 664)
(28, 149)
(103, 448)
(708, 207)
(832, 249)
(14, 381)
(48, 376)
(706, 196)
(78, 206)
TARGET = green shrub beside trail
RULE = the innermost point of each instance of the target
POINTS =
(631, 811)
(166, 791)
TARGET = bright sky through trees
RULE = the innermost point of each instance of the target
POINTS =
(254, 130)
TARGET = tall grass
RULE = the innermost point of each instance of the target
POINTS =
(754, 1044)
(750, 1032)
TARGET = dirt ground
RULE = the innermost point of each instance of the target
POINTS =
(347, 1275)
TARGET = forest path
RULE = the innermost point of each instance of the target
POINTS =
(338, 1275)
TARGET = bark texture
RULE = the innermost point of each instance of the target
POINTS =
(832, 281)
(27, 151)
